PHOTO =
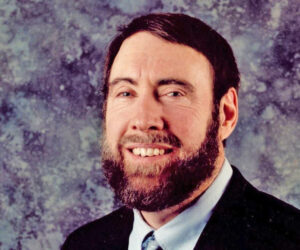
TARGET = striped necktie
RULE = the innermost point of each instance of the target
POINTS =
(149, 242)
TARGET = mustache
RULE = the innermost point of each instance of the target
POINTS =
(170, 139)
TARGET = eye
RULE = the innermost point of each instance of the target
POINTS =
(174, 94)
(124, 94)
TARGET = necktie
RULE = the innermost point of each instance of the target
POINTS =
(149, 242)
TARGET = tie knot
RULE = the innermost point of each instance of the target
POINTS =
(149, 242)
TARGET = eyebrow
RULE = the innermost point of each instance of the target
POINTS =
(182, 83)
(125, 79)
(162, 82)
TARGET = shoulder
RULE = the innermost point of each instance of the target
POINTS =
(109, 232)
(254, 219)
(266, 207)
(273, 216)
(246, 218)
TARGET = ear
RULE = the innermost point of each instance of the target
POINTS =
(228, 113)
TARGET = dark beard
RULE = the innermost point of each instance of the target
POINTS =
(181, 177)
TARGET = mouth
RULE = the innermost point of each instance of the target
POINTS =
(149, 151)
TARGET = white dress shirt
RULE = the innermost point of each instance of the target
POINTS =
(184, 230)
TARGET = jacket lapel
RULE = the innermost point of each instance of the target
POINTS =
(218, 232)
(119, 237)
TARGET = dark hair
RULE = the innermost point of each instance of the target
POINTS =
(186, 30)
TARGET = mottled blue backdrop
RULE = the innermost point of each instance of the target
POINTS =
(51, 56)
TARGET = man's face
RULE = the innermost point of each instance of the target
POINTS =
(158, 117)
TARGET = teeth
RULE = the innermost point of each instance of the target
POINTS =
(136, 151)
(143, 152)
(148, 151)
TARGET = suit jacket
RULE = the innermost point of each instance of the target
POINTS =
(244, 218)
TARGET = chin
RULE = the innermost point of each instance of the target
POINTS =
(144, 183)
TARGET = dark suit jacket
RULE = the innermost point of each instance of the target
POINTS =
(244, 218)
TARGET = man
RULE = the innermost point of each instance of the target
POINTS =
(170, 102)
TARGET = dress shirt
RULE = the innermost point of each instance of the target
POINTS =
(183, 231)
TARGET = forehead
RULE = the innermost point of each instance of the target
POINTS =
(146, 55)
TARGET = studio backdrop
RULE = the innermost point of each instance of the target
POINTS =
(51, 60)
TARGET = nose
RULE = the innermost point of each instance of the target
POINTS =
(147, 114)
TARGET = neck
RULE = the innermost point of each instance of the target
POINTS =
(159, 218)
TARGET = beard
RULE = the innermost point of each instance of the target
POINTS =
(177, 179)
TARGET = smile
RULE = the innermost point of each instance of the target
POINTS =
(148, 152)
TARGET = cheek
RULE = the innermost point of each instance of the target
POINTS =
(189, 125)
(115, 125)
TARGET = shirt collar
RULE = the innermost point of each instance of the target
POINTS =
(187, 225)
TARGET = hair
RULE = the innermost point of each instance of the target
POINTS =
(186, 30)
